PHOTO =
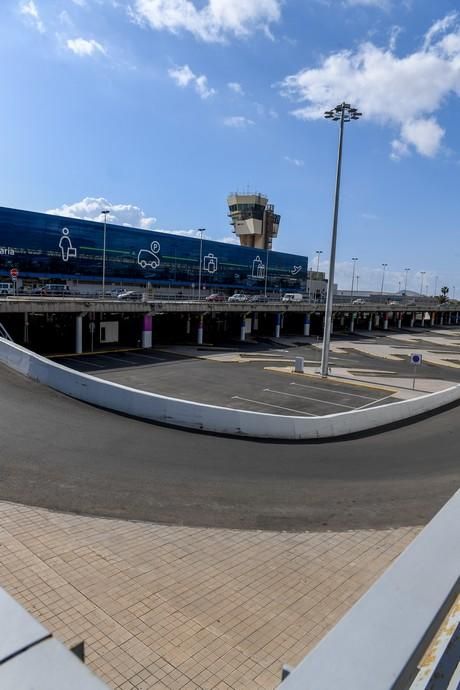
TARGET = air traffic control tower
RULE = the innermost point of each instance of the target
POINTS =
(254, 220)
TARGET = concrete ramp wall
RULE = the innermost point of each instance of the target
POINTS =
(221, 420)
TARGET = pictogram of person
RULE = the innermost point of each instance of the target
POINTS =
(65, 245)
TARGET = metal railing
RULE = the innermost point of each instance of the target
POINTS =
(403, 634)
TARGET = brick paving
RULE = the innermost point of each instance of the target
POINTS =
(179, 608)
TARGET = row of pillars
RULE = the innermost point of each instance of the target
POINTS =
(373, 322)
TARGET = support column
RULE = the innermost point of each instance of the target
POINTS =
(26, 328)
(255, 321)
(243, 328)
(332, 324)
(342, 321)
(199, 338)
(277, 325)
(377, 320)
(385, 322)
(412, 320)
(449, 321)
(369, 323)
(441, 320)
(147, 331)
(399, 321)
(456, 319)
(352, 324)
(79, 334)
(306, 324)
(188, 326)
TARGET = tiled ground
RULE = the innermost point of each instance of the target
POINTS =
(181, 608)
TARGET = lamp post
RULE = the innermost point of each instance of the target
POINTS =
(201, 231)
(318, 256)
(105, 214)
(341, 113)
(357, 284)
(405, 281)
(384, 266)
(354, 259)
(435, 286)
(422, 274)
(266, 274)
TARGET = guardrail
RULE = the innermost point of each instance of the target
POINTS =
(221, 420)
(379, 643)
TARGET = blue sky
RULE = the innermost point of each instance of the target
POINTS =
(160, 108)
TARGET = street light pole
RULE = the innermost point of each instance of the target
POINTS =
(105, 214)
(266, 273)
(318, 256)
(384, 266)
(354, 259)
(422, 273)
(405, 281)
(201, 231)
(343, 113)
(435, 286)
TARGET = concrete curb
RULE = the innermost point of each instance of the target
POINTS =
(211, 418)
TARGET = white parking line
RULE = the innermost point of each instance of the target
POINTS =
(279, 407)
(118, 359)
(158, 359)
(84, 361)
(329, 390)
(305, 397)
(375, 401)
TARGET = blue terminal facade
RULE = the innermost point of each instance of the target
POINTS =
(50, 248)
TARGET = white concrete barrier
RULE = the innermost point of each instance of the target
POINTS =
(223, 420)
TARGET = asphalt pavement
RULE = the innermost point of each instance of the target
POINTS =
(65, 455)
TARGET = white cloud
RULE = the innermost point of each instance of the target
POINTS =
(235, 87)
(30, 10)
(237, 121)
(230, 239)
(213, 20)
(382, 4)
(183, 76)
(85, 47)
(294, 161)
(400, 91)
(120, 214)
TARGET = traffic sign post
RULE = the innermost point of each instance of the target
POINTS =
(14, 276)
(416, 361)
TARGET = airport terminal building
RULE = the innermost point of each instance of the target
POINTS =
(48, 248)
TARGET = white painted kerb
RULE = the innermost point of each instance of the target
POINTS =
(212, 418)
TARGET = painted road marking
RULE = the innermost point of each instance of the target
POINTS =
(279, 407)
(73, 363)
(158, 359)
(305, 397)
(328, 390)
(378, 400)
(117, 359)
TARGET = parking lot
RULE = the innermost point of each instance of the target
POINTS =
(245, 385)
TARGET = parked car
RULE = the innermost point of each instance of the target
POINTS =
(129, 294)
(215, 297)
(6, 289)
(55, 290)
(292, 297)
(238, 297)
(258, 298)
(393, 304)
(359, 301)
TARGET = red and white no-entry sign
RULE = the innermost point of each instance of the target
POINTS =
(14, 273)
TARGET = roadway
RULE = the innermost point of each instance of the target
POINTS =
(65, 455)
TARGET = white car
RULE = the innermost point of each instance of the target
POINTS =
(238, 297)
(358, 301)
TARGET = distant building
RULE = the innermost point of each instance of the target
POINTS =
(254, 220)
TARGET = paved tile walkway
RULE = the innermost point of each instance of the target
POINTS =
(180, 608)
